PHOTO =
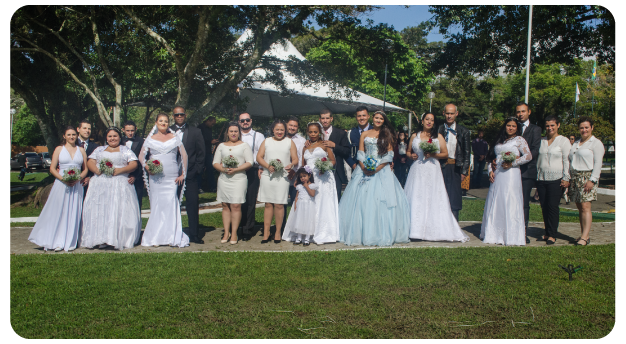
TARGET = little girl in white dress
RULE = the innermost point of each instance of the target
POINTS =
(301, 222)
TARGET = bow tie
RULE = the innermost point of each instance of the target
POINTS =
(181, 128)
(448, 130)
(131, 139)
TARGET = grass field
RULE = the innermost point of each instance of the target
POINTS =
(383, 293)
(29, 178)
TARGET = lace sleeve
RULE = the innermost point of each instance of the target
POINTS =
(96, 152)
(313, 186)
(142, 155)
(183, 155)
(128, 154)
(524, 150)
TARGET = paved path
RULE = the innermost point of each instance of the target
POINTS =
(601, 233)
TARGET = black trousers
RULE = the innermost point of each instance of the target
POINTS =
(248, 209)
(452, 180)
(339, 186)
(191, 196)
(479, 167)
(292, 196)
(550, 197)
(138, 184)
(209, 173)
(527, 187)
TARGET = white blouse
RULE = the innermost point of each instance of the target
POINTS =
(553, 161)
(587, 157)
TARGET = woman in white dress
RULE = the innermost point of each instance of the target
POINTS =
(503, 218)
(58, 224)
(164, 226)
(232, 183)
(274, 185)
(111, 214)
(431, 217)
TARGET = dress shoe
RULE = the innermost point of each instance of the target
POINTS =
(265, 241)
(196, 240)
(297, 242)
(527, 240)
(306, 243)
(226, 240)
(277, 241)
(245, 238)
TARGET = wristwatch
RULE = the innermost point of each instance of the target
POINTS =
(593, 181)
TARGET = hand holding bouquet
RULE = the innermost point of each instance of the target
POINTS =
(323, 165)
(277, 165)
(507, 159)
(154, 167)
(429, 147)
(230, 162)
(370, 164)
(106, 167)
(71, 175)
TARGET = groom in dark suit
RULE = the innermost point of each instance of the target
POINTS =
(337, 139)
(532, 134)
(84, 131)
(362, 118)
(454, 168)
(135, 143)
(193, 141)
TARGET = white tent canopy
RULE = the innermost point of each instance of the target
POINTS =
(264, 98)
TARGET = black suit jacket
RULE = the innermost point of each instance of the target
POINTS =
(341, 151)
(136, 148)
(355, 138)
(532, 135)
(193, 141)
(463, 147)
(91, 146)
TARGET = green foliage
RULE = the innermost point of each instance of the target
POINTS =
(26, 131)
(494, 37)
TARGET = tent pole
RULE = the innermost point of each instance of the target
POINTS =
(409, 123)
(385, 90)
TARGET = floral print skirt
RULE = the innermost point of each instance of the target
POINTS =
(577, 187)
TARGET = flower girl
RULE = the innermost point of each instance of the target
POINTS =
(300, 225)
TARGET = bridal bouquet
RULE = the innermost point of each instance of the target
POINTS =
(323, 165)
(154, 166)
(277, 164)
(230, 162)
(370, 164)
(71, 174)
(429, 146)
(508, 157)
(106, 167)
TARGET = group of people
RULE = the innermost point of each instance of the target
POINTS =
(308, 172)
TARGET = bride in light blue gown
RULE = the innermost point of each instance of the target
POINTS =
(373, 210)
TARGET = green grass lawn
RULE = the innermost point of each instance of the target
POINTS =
(29, 178)
(383, 293)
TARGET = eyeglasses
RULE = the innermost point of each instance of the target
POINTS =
(245, 120)
(179, 114)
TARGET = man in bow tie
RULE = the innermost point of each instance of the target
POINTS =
(459, 150)
(134, 143)
(532, 134)
(193, 141)
(84, 131)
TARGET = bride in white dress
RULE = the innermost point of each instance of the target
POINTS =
(164, 226)
(326, 204)
(58, 224)
(111, 214)
(431, 217)
(503, 218)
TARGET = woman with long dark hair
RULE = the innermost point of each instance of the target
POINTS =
(503, 218)
(111, 215)
(431, 216)
(401, 162)
(373, 209)
(59, 223)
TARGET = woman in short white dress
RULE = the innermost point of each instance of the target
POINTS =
(232, 183)
(274, 185)
(58, 224)
(164, 226)
(503, 218)
(111, 215)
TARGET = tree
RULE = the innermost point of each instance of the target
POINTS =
(495, 37)
(415, 38)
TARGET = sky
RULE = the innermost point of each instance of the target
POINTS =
(401, 17)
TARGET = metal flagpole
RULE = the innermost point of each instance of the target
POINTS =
(530, 25)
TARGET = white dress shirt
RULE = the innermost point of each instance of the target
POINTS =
(525, 125)
(179, 132)
(553, 161)
(451, 144)
(327, 132)
(587, 157)
(299, 142)
(249, 138)
(85, 143)
(129, 144)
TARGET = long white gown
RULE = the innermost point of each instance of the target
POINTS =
(164, 226)
(503, 219)
(58, 224)
(111, 212)
(431, 217)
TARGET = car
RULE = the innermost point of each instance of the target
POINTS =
(47, 160)
(33, 161)
(14, 164)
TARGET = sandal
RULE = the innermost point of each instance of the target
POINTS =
(550, 242)
(586, 242)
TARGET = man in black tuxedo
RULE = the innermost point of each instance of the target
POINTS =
(532, 134)
(84, 131)
(337, 139)
(193, 141)
(362, 118)
(135, 143)
(459, 150)
(206, 128)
